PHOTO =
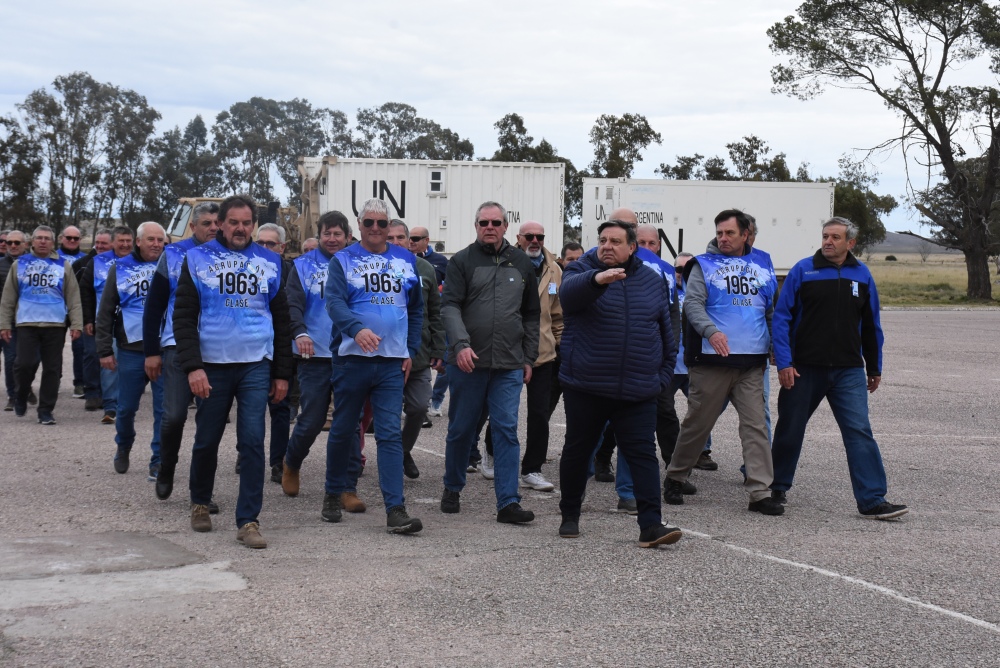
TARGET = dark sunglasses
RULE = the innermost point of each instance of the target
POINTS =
(269, 244)
(487, 223)
(71, 238)
(368, 222)
(416, 238)
(13, 243)
(532, 237)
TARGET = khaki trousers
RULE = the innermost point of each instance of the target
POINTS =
(710, 386)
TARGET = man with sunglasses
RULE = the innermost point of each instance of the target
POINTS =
(373, 297)
(69, 249)
(531, 239)
(15, 247)
(491, 316)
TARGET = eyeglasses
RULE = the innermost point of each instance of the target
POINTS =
(368, 222)
(679, 270)
(487, 223)
(13, 243)
(269, 244)
(415, 238)
(532, 237)
(71, 238)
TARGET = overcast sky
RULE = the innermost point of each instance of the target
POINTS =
(699, 72)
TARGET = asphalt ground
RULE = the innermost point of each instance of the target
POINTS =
(95, 571)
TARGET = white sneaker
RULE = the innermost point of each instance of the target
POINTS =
(537, 482)
(486, 467)
(434, 411)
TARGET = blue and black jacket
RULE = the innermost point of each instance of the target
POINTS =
(828, 316)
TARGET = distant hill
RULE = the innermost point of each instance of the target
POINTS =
(904, 243)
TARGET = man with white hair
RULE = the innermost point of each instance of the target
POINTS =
(39, 294)
(119, 320)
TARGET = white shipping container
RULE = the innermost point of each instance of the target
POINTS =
(441, 195)
(789, 215)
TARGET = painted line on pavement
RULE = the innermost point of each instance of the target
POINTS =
(885, 591)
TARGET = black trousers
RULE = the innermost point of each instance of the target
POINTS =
(668, 427)
(536, 447)
(34, 345)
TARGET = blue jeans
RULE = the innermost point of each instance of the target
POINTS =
(9, 353)
(91, 367)
(440, 387)
(500, 391)
(248, 383)
(132, 381)
(624, 485)
(314, 402)
(77, 347)
(355, 379)
(109, 387)
(176, 398)
(846, 390)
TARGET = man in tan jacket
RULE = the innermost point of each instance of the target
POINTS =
(39, 294)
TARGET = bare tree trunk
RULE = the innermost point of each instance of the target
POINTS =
(977, 265)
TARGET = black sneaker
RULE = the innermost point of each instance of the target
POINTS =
(450, 502)
(766, 506)
(688, 488)
(514, 514)
(331, 508)
(154, 472)
(570, 527)
(659, 534)
(779, 496)
(93, 404)
(237, 468)
(46, 418)
(398, 521)
(121, 461)
(603, 471)
(473, 465)
(20, 409)
(885, 511)
(10, 405)
(78, 392)
(213, 508)
(706, 463)
(673, 492)
(427, 424)
(109, 417)
(32, 399)
(164, 484)
(410, 469)
(627, 506)
(277, 470)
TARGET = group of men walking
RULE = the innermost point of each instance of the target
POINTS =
(219, 318)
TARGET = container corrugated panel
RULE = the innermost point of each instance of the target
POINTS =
(789, 215)
(443, 195)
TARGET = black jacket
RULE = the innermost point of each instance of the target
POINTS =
(187, 312)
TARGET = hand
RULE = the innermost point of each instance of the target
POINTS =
(6, 335)
(305, 346)
(279, 388)
(108, 363)
(154, 365)
(437, 364)
(787, 377)
(198, 382)
(527, 374)
(466, 360)
(610, 276)
(74, 334)
(367, 340)
(407, 365)
(720, 343)
(873, 383)
(88, 329)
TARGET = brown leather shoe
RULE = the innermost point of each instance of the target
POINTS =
(290, 481)
(200, 521)
(351, 503)
(249, 535)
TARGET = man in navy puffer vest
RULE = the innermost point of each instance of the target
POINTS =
(617, 319)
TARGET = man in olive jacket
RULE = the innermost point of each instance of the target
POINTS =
(491, 316)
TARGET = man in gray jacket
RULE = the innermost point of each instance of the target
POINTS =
(491, 315)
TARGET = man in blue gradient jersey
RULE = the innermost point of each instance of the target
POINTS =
(374, 299)
(233, 342)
